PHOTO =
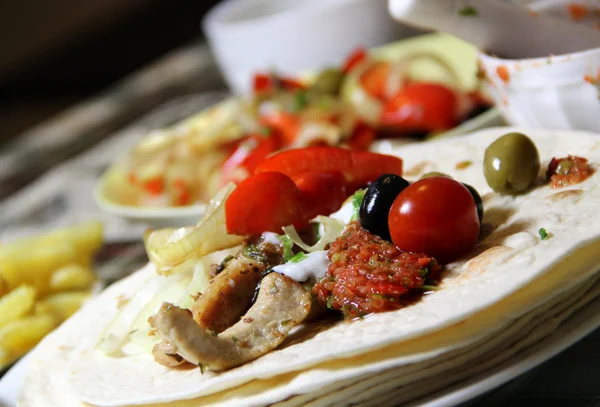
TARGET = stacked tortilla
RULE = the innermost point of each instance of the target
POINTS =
(513, 290)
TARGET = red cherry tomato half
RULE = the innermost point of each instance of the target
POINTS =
(421, 107)
(322, 193)
(358, 167)
(436, 216)
(264, 202)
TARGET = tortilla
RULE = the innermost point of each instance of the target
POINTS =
(509, 274)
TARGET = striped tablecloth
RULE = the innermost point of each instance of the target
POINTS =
(47, 176)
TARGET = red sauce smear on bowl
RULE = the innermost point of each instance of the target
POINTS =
(503, 73)
(577, 12)
(567, 171)
(368, 274)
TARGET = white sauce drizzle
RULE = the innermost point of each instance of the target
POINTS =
(314, 265)
(272, 238)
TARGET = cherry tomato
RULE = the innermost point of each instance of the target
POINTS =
(322, 193)
(264, 202)
(374, 79)
(362, 136)
(436, 216)
(421, 107)
(355, 58)
(247, 155)
(287, 124)
(358, 167)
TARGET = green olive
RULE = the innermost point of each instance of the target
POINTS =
(329, 81)
(434, 174)
(511, 163)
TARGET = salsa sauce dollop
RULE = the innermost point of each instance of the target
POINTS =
(368, 274)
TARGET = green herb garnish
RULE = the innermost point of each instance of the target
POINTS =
(133, 331)
(426, 287)
(266, 131)
(287, 247)
(543, 234)
(287, 321)
(223, 264)
(234, 339)
(252, 252)
(357, 200)
(298, 257)
(468, 11)
(300, 100)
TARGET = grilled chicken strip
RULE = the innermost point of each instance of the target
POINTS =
(166, 354)
(282, 303)
(228, 295)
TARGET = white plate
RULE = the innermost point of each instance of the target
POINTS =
(574, 329)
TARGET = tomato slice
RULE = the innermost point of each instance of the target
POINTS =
(374, 79)
(421, 107)
(287, 124)
(262, 82)
(264, 202)
(322, 193)
(356, 57)
(362, 136)
(358, 167)
(249, 153)
(436, 216)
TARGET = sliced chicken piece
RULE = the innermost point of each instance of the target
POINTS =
(166, 354)
(228, 295)
(282, 303)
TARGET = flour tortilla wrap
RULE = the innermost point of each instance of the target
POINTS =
(510, 273)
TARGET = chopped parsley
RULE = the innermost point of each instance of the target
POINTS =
(252, 252)
(298, 257)
(426, 287)
(234, 339)
(357, 200)
(286, 322)
(468, 11)
(223, 264)
(287, 247)
(266, 131)
(543, 234)
(300, 100)
(133, 331)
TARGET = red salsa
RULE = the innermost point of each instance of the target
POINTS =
(368, 274)
(568, 170)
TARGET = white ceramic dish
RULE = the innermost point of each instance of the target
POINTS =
(556, 92)
(293, 36)
(581, 324)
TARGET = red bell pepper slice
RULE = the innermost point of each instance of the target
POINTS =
(249, 153)
(358, 167)
(264, 202)
(374, 79)
(286, 124)
(322, 193)
(355, 58)
(362, 136)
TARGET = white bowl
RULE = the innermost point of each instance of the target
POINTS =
(293, 36)
(556, 92)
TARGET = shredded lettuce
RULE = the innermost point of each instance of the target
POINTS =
(357, 200)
